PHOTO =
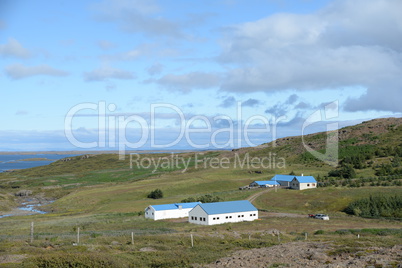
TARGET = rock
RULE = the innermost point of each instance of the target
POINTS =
(147, 249)
(23, 193)
(317, 256)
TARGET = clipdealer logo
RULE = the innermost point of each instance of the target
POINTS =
(114, 129)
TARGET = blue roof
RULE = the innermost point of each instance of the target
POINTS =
(283, 177)
(267, 182)
(306, 179)
(227, 207)
(175, 206)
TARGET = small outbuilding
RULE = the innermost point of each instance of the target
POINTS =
(283, 180)
(223, 212)
(264, 184)
(169, 211)
(303, 183)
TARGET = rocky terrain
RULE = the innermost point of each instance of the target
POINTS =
(312, 254)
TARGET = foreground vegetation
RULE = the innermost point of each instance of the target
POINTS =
(106, 238)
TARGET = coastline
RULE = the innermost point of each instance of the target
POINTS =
(92, 152)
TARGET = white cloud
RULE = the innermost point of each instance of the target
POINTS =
(19, 71)
(129, 55)
(251, 103)
(335, 47)
(21, 112)
(156, 68)
(13, 48)
(189, 81)
(228, 102)
(107, 73)
(138, 16)
(105, 45)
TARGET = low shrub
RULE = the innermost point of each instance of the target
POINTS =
(81, 260)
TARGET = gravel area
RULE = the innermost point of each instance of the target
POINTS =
(311, 254)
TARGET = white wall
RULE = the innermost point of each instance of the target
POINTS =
(302, 186)
(197, 216)
(150, 213)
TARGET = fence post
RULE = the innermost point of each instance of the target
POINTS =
(78, 235)
(192, 240)
(305, 236)
(132, 238)
(32, 231)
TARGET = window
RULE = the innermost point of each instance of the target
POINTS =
(227, 217)
(217, 218)
(253, 214)
(195, 218)
(238, 216)
(214, 218)
(308, 184)
(230, 217)
(192, 217)
(242, 216)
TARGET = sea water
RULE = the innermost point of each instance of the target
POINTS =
(13, 161)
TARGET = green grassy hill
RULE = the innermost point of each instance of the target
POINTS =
(105, 183)
(105, 198)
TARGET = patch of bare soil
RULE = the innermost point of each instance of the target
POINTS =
(12, 258)
(311, 254)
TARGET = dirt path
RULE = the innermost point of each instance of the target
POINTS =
(253, 197)
(256, 195)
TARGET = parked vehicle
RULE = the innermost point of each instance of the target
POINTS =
(322, 217)
(311, 215)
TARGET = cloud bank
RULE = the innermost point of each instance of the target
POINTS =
(349, 43)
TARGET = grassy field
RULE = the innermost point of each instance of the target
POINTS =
(107, 237)
(103, 197)
(320, 200)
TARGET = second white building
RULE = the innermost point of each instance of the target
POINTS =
(223, 212)
(169, 211)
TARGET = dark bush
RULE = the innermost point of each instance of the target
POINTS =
(156, 194)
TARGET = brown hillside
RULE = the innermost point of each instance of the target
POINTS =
(380, 132)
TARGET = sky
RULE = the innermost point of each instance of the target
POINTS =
(179, 74)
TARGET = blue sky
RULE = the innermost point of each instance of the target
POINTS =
(192, 74)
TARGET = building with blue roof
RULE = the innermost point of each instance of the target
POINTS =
(169, 211)
(303, 182)
(295, 182)
(283, 180)
(223, 212)
(264, 184)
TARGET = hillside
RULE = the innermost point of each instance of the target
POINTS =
(105, 197)
(371, 149)
(383, 134)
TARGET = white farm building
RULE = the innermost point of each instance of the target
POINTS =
(264, 184)
(295, 182)
(303, 182)
(169, 211)
(283, 180)
(223, 212)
